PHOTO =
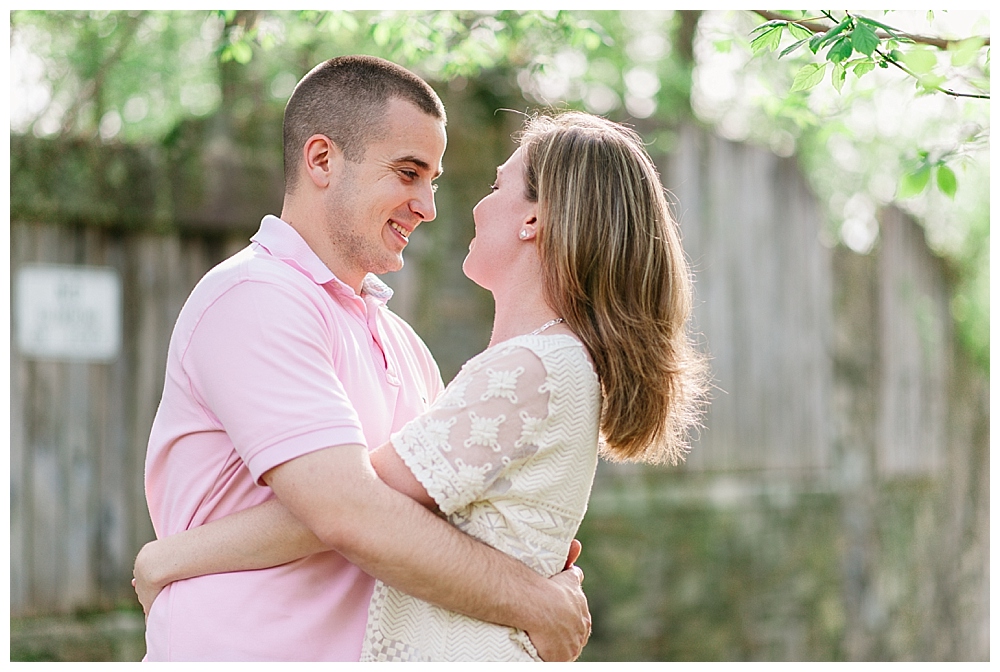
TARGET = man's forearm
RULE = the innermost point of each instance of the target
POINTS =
(336, 493)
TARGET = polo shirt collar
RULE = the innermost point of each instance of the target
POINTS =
(284, 242)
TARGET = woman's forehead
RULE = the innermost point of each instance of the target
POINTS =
(516, 160)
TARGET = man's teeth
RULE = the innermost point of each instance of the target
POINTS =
(400, 230)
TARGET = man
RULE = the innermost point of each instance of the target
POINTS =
(285, 367)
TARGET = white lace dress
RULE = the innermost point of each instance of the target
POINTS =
(508, 452)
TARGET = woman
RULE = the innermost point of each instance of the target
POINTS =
(589, 354)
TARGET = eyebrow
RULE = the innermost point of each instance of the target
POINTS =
(420, 163)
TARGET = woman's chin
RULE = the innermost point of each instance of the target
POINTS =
(468, 270)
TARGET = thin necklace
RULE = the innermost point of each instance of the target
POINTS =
(546, 326)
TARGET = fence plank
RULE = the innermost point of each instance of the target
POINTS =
(763, 279)
(915, 329)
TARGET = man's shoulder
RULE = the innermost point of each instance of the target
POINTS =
(249, 266)
(253, 283)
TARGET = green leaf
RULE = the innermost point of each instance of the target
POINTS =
(792, 48)
(774, 23)
(382, 33)
(837, 76)
(808, 76)
(591, 40)
(863, 68)
(931, 82)
(963, 53)
(915, 182)
(872, 22)
(768, 40)
(795, 30)
(920, 61)
(946, 181)
(817, 42)
(864, 39)
(236, 51)
(840, 51)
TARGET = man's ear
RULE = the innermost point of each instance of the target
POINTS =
(322, 160)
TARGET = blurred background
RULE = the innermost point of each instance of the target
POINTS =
(835, 207)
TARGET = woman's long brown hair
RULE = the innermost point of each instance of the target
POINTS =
(614, 269)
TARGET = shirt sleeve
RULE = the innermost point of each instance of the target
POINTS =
(485, 423)
(261, 364)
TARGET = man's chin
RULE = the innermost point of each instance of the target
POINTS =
(393, 267)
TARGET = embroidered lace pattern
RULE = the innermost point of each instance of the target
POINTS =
(508, 452)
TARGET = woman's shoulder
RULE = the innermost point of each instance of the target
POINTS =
(546, 353)
(553, 363)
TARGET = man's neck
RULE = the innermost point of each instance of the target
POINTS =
(321, 245)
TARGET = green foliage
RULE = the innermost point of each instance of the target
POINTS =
(858, 34)
(918, 177)
(915, 181)
(946, 180)
(126, 75)
(873, 43)
(904, 122)
(808, 76)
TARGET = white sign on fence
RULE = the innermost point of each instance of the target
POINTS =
(68, 312)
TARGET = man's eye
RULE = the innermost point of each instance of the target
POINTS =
(494, 187)
(409, 174)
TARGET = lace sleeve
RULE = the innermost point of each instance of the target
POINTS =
(486, 422)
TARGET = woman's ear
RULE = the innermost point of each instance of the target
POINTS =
(529, 228)
(322, 160)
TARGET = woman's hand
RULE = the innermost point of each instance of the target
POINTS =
(574, 552)
(145, 579)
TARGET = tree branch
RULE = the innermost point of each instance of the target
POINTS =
(957, 94)
(815, 27)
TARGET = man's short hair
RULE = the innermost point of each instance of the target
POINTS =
(345, 99)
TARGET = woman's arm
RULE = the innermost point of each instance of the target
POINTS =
(262, 536)
(265, 535)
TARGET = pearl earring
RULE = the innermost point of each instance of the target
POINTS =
(523, 234)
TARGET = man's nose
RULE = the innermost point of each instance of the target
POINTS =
(423, 205)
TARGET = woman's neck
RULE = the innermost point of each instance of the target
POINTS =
(519, 313)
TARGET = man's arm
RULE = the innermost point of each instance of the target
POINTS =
(261, 536)
(265, 535)
(337, 494)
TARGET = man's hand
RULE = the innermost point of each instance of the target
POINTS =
(563, 636)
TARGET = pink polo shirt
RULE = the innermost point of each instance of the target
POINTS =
(272, 357)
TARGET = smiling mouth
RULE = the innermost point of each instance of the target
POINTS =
(400, 230)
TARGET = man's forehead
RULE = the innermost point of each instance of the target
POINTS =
(413, 137)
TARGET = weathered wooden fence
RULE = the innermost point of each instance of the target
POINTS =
(836, 504)
(79, 428)
(834, 507)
